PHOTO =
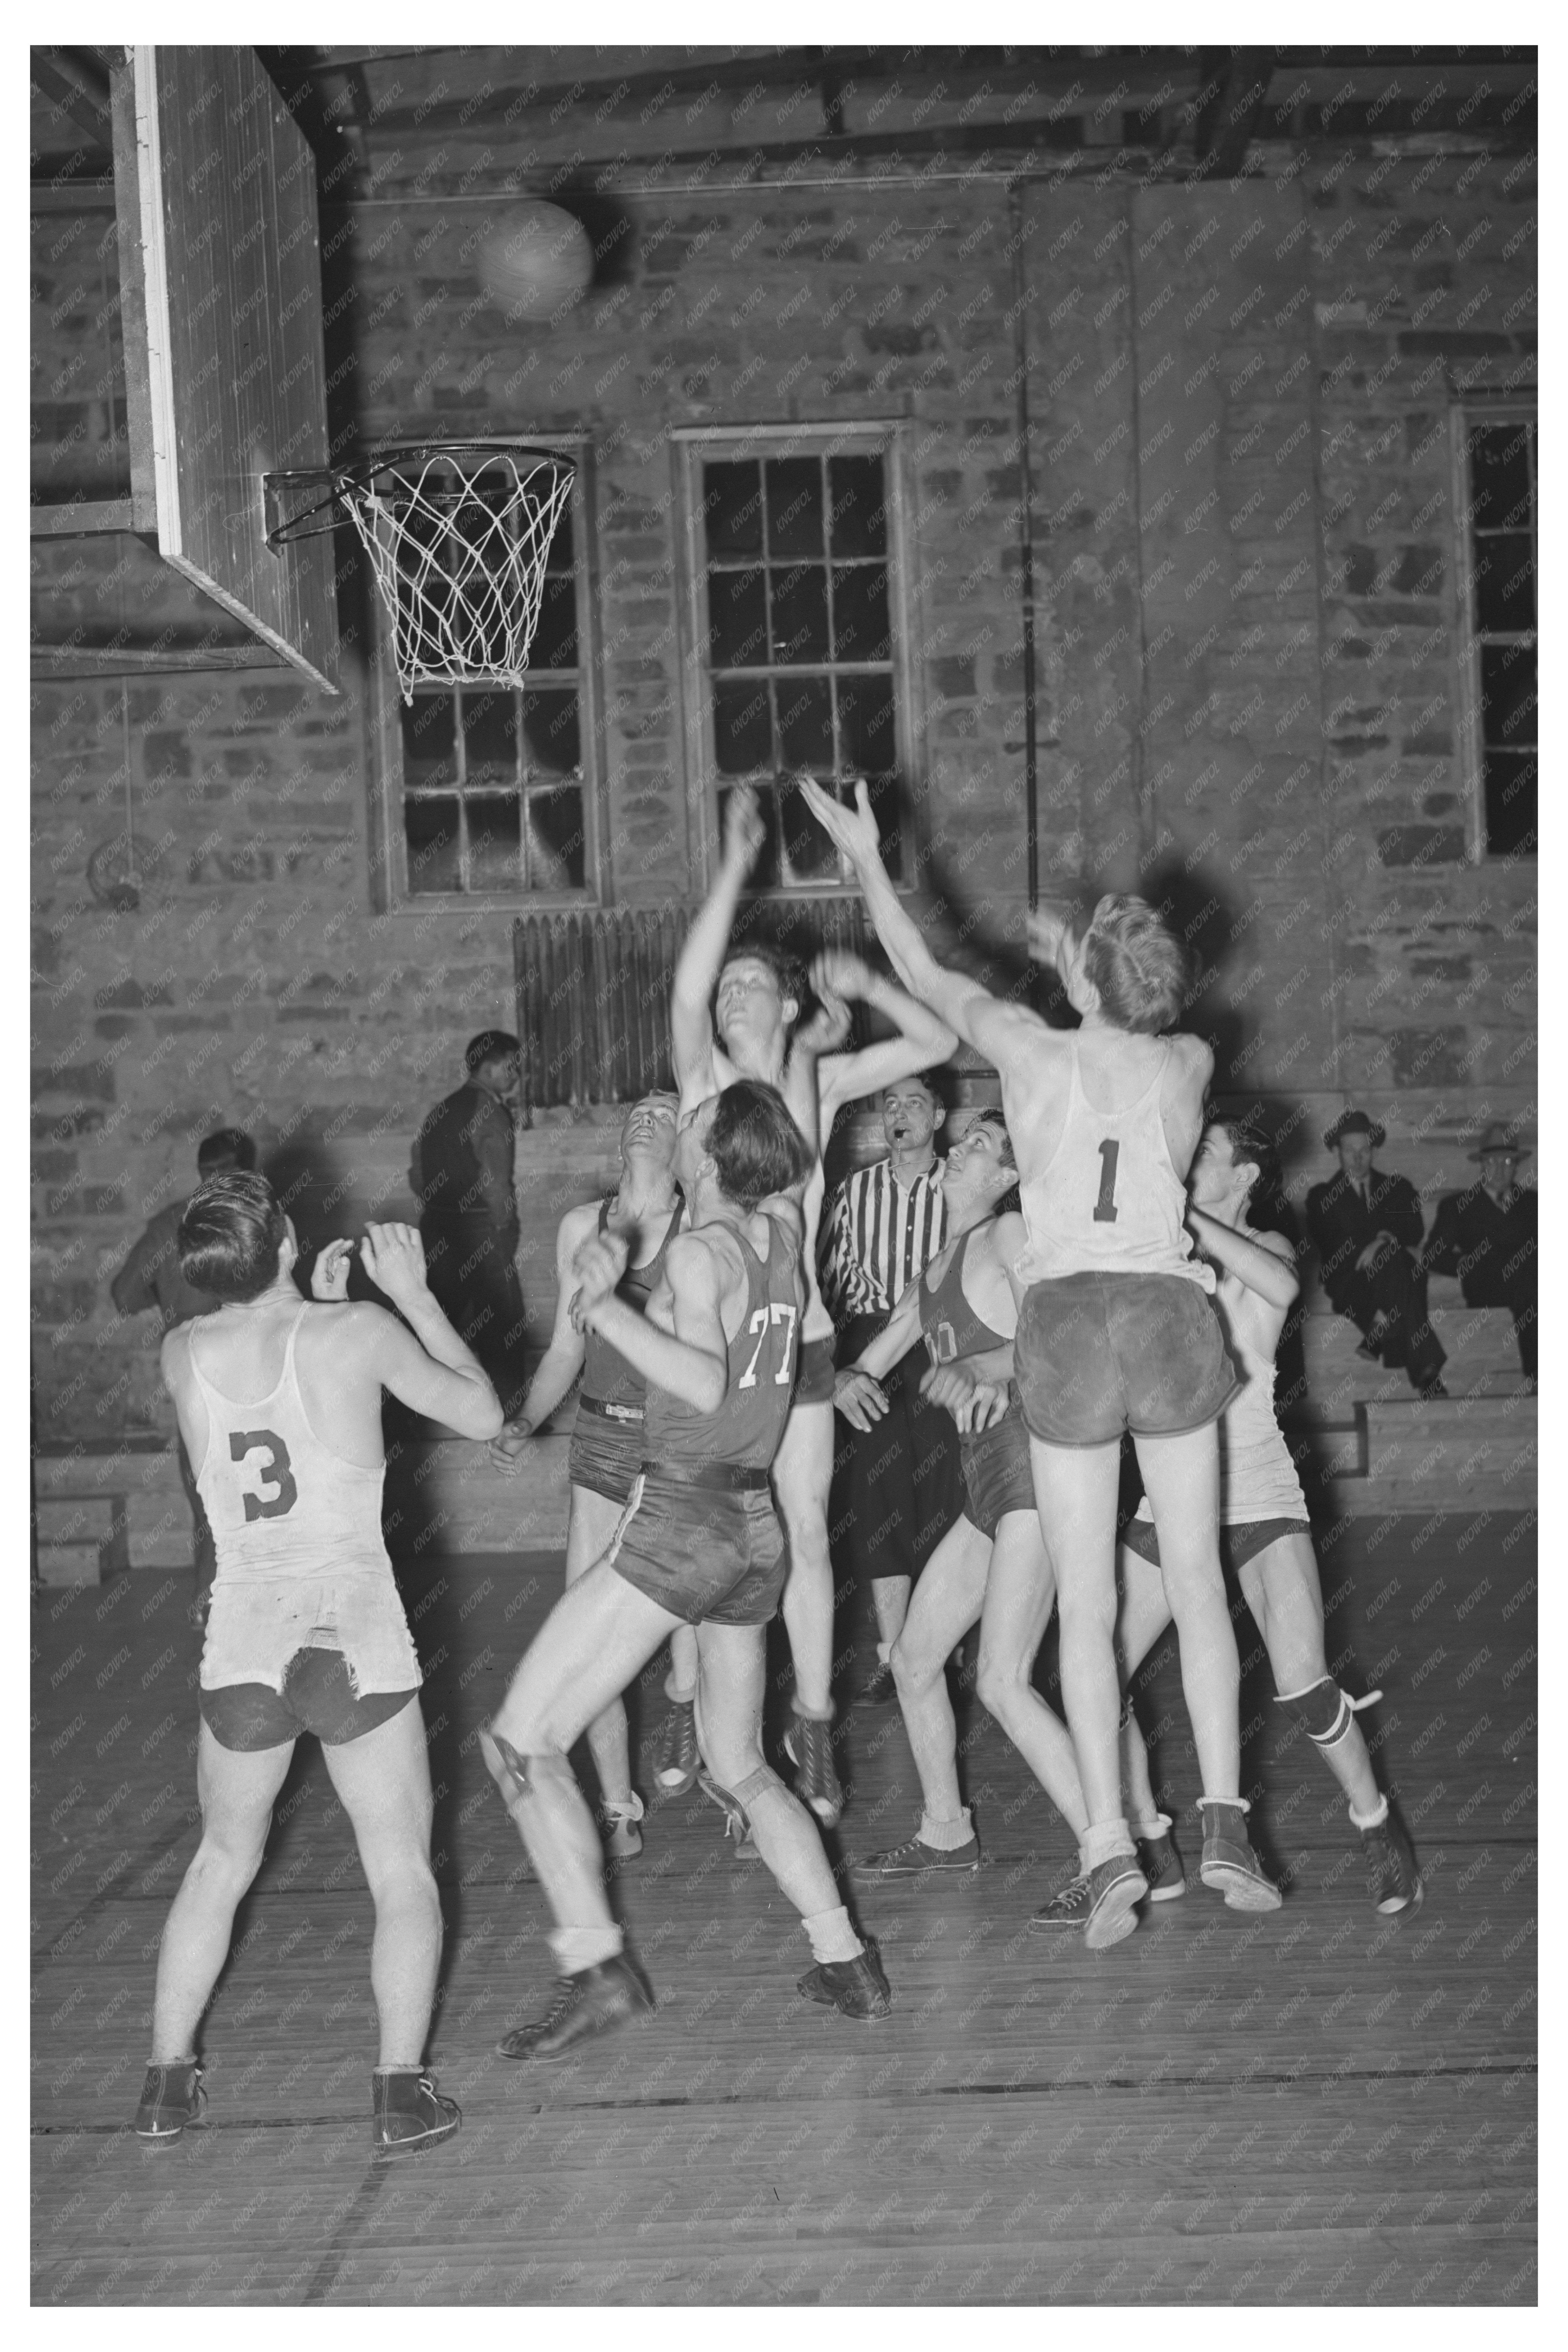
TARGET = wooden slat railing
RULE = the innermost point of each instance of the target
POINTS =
(593, 989)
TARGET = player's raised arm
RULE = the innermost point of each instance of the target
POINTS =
(428, 1366)
(701, 957)
(923, 1040)
(993, 1028)
(691, 1362)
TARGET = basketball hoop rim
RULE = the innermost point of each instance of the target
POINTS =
(357, 474)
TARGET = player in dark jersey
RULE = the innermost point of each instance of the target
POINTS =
(607, 1440)
(1117, 1329)
(992, 1564)
(732, 1013)
(699, 1544)
(279, 1405)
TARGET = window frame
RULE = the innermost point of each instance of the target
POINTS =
(1464, 416)
(788, 438)
(390, 840)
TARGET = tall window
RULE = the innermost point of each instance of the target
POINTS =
(795, 564)
(1498, 624)
(490, 789)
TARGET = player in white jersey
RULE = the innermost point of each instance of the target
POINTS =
(1117, 1329)
(280, 1407)
(732, 1013)
(1266, 1536)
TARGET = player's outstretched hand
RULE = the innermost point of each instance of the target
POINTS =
(858, 1398)
(853, 830)
(330, 1274)
(836, 973)
(598, 1265)
(1046, 928)
(960, 1391)
(394, 1257)
(828, 1027)
(506, 1450)
(744, 831)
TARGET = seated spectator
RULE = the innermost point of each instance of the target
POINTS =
(1487, 1236)
(150, 1276)
(1367, 1227)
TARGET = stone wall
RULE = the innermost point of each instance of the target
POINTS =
(1241, 500)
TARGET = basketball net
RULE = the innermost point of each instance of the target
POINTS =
(458, 540)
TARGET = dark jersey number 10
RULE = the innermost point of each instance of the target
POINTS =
(1105, 1207)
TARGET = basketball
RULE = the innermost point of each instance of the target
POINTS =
(536, 260)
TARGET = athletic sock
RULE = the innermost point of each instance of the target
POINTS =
(946, 1837)
(1371, 1821)
(677, 1697)
(832, 1937)
(1084, 1864)
(577, 1948)
(1155, 1826)
(884, 1654)
(1104, 1840)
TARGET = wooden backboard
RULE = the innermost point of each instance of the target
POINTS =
(223, 218)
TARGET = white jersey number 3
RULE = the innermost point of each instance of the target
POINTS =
(759, 1323)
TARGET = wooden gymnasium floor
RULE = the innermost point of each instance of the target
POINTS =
(1315, 2106)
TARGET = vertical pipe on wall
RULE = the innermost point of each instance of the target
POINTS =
(1026, 529)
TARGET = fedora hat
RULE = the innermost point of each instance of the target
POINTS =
(1501, 1135)
(1353, 1122)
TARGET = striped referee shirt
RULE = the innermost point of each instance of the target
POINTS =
(879, 1235)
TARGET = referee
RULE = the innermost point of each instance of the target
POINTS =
(898, 1485)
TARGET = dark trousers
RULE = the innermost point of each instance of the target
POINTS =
(473, 1278)
(1518, 1294)
(1394, 1287)
(898, 1487)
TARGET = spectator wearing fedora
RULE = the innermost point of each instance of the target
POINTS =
(1367, 1227)
(1487, 1236)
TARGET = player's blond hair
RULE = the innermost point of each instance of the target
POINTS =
(1141, 971)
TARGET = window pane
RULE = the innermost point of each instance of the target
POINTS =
(550, 731)
(1499, 476)
(865, 725)
(742, 728)
(560, 558)
(429, 754)
(489, 737)
(800, 613)
(495, 841)
(554, 643)
(737, 622)
(1511, 802)
(806, 723)
(1507, 696)
(431, 829)
(811, 855)
(732, 506)
(765, 872)
(887, 808)
(794, 507)
(861, 613)
(1505, 583)
(557, 857)
(859, 516)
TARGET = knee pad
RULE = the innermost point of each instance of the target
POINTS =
(757, 1784)
(1324, 1711)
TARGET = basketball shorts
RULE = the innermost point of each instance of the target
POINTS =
(1238, 1544)
(702, 1552)
(814, 1371)
(996, 1475)
(1101, 1354)
(607, 1449)
(317, 1696)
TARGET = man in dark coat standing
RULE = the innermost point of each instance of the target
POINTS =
(1488, 1237)
(1366, 1226)
(461, 1172)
